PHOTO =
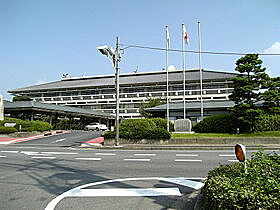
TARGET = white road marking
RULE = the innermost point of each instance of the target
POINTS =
(9, 151)
(43, 157)
(58, 140)
(144, 154)
(232, 160)
(185, 182)
(143, 160)
(96, 159)
(187, 160)
(29, 152)
(105, 154)
(186, 155)
(55, 201)
(2, 156)
(226, 155)
(131, 192)
(60, 153)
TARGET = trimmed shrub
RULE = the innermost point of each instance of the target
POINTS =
(221, 123)
(109, 135)
(27, 125)
(229, 187)
(7, 130)
(268, 123)
(162, 123)
(137, 129)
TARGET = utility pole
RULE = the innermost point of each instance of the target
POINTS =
(117, 68)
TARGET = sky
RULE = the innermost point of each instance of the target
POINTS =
(41, 40)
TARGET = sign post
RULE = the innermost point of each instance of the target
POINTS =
(240, 152)
(1, 108)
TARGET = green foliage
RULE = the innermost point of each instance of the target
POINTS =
(7, 130)
(109, 135)
(247, 90)
(221, 123)
(162, 123)
(268, 123)
(21, 98)
(152, 103)
(271, 97)
(27, 125)
(229, 187)
(138, 129)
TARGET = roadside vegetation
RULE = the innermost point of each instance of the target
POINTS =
(229, 187)
(26, 126)
(136, 130)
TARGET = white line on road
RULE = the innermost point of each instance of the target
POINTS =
(10, 151)
(43, 157)
(232, 160)
(2, 156)
(128, 192)
(144, 154)
(186, 155)
(226, 155)
(96, 159)
(143, 160)
(58, 140)
(60, 153)
(105, 154)
(187, 160)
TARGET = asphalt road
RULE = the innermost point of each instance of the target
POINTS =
(34, 173)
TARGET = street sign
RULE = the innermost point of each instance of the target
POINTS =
(240, 152)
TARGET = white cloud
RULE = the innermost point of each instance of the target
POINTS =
(275, 48)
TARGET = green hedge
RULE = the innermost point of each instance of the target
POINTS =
(221, 123)
(268, 123)
(27, 125)
(138, 129)
(229, 187)
(7, 130)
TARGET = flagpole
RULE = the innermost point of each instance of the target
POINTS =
(167, 80)
(200, 72)
(184, 72)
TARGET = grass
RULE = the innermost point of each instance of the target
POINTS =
(227, 135)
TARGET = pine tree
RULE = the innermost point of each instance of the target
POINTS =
(247, 90)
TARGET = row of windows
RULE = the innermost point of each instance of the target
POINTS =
(145, 95)
(174, 87)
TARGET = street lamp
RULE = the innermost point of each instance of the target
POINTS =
(115, 57)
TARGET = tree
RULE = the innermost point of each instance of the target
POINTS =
(247, 90)
(21, 98)
(152, 103)
(271, 97)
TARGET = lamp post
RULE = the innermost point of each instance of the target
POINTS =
(115, 57)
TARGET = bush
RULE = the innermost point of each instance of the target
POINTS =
(162, 123)
(229, 187)
(138, 129)
(109, 135)
(268, 123)
(221, 123)
(7, 130)
(27, 125)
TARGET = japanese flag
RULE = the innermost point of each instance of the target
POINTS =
(185, 35)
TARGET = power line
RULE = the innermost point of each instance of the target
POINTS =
(193, 51)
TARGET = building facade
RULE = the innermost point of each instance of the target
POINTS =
(98, 92)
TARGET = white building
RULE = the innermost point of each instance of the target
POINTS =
(98, 92)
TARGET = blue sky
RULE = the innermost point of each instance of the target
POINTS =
(41, 40)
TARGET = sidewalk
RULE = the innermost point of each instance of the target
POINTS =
(25, 136)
